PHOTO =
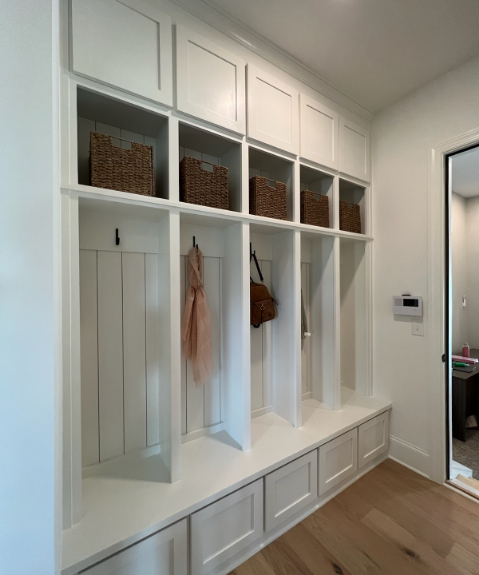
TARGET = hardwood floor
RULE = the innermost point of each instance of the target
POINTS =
(390, 522)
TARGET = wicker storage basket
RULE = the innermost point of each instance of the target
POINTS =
(265, 200)
(314, 209)
(121, 169)
(349, 217)
(203, 187)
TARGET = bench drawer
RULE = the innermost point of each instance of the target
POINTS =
(338, 460)
(373, 438)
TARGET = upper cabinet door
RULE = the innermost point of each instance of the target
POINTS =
(354, 150)
(210, 81)
(124, 48)
(319, 133)
(272, 111)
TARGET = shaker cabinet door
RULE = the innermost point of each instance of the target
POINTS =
(123, 47)
(210, 81)
(319, 133)
(354, 150)
(338, 460)
(273, 111)
(373, 438)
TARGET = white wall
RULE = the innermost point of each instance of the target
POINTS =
(459, 278)
(28, 279)
(402, 137)
(472, 274)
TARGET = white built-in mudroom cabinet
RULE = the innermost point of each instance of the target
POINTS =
(160, 476)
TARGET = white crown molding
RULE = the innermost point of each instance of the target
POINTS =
(226, 24)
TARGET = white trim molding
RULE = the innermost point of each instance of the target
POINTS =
(436, 298)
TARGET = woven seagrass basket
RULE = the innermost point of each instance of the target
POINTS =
(265, 200)
(125, 170)
(349, 217)
(202, 186)
(314, 209)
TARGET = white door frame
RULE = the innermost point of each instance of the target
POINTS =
(436, 299)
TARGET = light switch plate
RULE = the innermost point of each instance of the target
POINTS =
(417, 328)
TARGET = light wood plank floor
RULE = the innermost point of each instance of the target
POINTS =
(390, 522)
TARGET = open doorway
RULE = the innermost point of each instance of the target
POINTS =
(463, 329)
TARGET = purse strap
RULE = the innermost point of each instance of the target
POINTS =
(252, 256)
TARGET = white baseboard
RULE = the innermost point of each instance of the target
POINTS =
(410, 456)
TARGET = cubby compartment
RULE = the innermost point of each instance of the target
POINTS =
(319, 348)
(275, 168)
(354, 312)
(214, 149)
(355, 194)
(125, 319)
(321, 183)
(219, 404)
(275, 345)
(126, 123)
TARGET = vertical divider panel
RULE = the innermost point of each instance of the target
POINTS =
(335, 222)
(174, 159)
(296, 187)
(245, 176)
(170, 342)
(152, 364)
(236, 397)
(134, 350)
(286, 327)
(110, 355)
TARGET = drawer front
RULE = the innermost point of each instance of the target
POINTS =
(164, 553)
(223, 528)
(290, 488)
(338, 460)
(373, 438)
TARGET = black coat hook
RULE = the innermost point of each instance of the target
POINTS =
(195, 245)
(117, 238)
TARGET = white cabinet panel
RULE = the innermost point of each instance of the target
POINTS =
(290, 488)
(122, 47)
(354, 150)
(210, 81)
(272, 111)
(319, 133)
(373, 438)
(225, 527)
(164, 553)
(338, 460)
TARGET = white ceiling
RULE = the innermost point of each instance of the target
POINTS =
(465, 173)
(374, 51)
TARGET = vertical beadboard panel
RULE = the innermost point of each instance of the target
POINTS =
(110, 355)
(89, 357)
(256, 355)
(152, 355)
(306, 351)
(183, 280)
(212, 389)
(134, 350)
(266, 269)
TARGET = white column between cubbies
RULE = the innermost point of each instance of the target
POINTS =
(296, 191)
(335, 370)
(297, 392)
(173, 159)
(245, 178)
(335, 223)
(173, 457)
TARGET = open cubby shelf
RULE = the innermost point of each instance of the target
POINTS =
(320, 182)
(354, 193)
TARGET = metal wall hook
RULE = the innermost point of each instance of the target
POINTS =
(195, 245)
(117, 238)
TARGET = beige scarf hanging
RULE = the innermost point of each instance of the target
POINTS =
(196, 322)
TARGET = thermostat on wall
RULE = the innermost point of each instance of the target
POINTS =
(407, 305)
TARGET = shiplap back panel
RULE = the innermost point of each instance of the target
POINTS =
(261, 351)
(306, 347)
(120, 360)
(201, 405)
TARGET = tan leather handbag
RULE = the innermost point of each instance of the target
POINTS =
(263, 305)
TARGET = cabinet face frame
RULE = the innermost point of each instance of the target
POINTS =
(346, 167)
(201, 565)
(160, 91)
(309, 153)
(184, 37)
(364, 456)
(254, 77)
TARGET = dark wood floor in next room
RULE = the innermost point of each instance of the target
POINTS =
(390, 522)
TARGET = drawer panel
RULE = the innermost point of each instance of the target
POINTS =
(225, 527)
(290, 488)
(338, 460)
(164, 553)
(373, 438)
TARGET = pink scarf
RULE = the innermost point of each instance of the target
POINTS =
(196, 322)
